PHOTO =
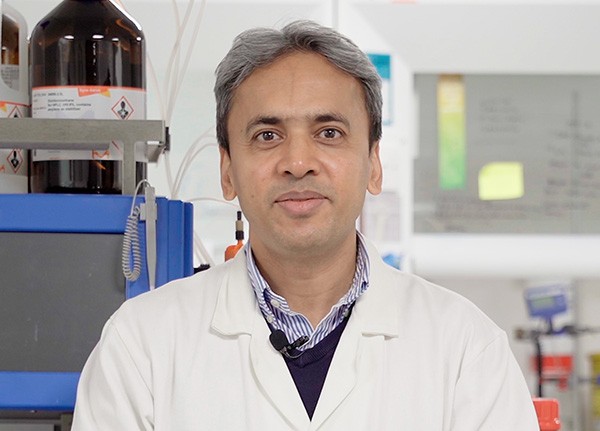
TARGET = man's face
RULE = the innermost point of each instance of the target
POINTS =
(299, 158)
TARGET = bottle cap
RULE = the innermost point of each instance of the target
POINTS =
(547, 413)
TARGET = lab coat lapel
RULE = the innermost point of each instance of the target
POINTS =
(342, 374)
(237, 313)
(376, 313)
(275, 379)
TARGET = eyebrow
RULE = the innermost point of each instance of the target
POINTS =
(316, 118)
(262, 120)
(331, 117)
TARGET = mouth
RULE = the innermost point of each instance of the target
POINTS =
(299, 196)
(300, 203)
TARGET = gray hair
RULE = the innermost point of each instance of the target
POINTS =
(259, 47)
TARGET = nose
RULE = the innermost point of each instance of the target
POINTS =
(299, 157)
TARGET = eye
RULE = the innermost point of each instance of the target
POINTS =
(330, 133)
(267, 136)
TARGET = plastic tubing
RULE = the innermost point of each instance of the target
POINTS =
(203, 254)
(180, 76)
(174, 60)
(186, 165)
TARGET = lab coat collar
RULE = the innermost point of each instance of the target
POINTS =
(377, 311)
(236, 306)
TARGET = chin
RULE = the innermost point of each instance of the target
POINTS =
(310, 243)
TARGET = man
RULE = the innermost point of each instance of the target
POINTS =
(306, 328)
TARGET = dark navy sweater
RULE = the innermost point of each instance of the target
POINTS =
(310, 368)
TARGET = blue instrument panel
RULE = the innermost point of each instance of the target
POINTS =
(546, 301)
(80, 218)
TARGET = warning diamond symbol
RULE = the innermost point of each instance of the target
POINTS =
(15, 113)
(15, 160)
(123, 108)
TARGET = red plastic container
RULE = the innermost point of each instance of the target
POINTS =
(547, 413)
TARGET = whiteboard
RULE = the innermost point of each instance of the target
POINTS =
(549, 125)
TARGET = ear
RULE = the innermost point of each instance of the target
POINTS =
(376, 178)
(227, 186)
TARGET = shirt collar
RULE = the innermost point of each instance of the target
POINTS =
(265, 295)
(376, 312)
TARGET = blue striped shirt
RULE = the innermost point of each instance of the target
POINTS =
(277, 312)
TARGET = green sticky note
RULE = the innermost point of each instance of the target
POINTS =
(501, 181)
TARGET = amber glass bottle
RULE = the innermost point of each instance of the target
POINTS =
(14, 95)
(10, 41)
(87, 61)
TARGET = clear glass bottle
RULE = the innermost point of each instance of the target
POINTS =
(87, 61)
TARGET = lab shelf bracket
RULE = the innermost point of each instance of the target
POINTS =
(68, 134)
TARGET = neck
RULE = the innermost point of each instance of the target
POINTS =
(311, 284)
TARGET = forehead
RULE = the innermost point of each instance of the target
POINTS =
(300, 81)
(296, 62)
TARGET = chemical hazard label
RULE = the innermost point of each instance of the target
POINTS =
(89, 102)
(15, 160)
(123, 109)
(16, 112)
(13, 109)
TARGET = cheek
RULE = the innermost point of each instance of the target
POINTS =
(351, 172)
(248, 183)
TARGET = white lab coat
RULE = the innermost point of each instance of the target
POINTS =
(195, 355)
